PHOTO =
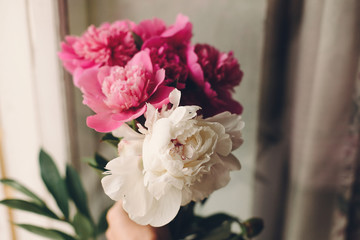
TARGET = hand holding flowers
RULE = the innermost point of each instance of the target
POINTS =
(130, 230)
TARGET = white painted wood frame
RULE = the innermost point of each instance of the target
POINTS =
(32, 104)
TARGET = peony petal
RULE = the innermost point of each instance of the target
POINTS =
(156, 82)
(161, 96)
(174, 98)
(183, 114)
(124, 131)
(196, 72)
(67, 53)
(224, 146)
(159, 78)
(233, 126)
(91, 89)
(230, 121)
(120, 170)
(142, 59)
(131, 148)
(129, 114)
(154, 144)
(150, 28)
(217, 178)
(104, 72)
(158, 184)
(154, 42)
(150, 115)
(102, 122)
(88, 81)
(112, 186)
(123, 24)
(181, 31)
(162, 211)
(166, 208)
(233, 106)
(231, 162)
(125, 183)
(138, 202)
(80, 69)
(76, 76)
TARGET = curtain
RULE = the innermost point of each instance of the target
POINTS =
(307, 177)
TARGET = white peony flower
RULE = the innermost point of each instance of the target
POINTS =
(179, 157)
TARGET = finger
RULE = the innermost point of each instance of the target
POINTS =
(109, 235)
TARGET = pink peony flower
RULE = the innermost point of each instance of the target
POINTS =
(150, 28)
(119, 94)
(168, 47)
(213, 77)
(172, 59)
(110, 44)
(178, 33)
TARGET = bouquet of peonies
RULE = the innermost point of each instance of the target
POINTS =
(167, 105)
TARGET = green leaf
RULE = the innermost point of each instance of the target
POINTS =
(343, 204)
(222, 232)
(100, 161)
(109, 138)
(96, 167)
(48, 233)
(138, 41)
(185, 222)
(252, 227)
(204, 201)
(102, 224)
(214, 227)
(29, 207)
(76, 191)
(54, 183)
(216, 220)
(64, 235)
(21, 188)
(134, 123)
(90, 161)
(83, 226)
(235, 237)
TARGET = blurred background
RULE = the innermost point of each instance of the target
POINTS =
(300, 92)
